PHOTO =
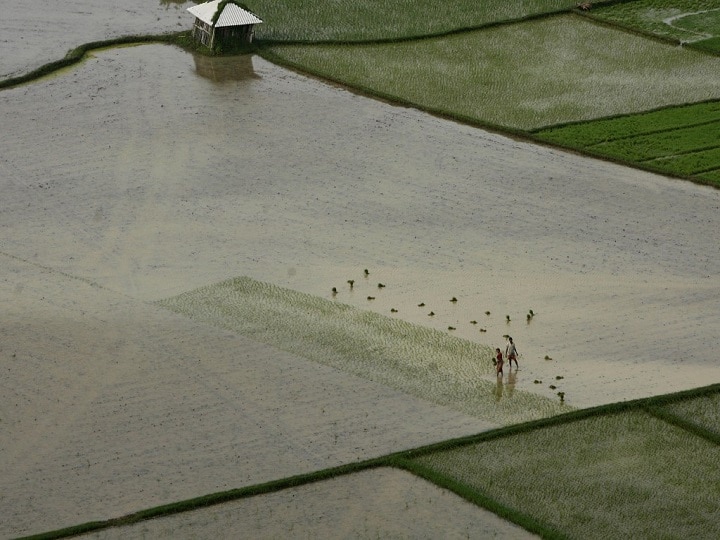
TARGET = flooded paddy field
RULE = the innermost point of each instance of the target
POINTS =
(145, 172)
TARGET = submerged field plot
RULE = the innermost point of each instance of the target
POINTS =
(521, 76)
(625, 469)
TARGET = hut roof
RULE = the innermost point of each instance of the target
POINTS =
(232, 14)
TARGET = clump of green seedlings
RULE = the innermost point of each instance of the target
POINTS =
(428, 363)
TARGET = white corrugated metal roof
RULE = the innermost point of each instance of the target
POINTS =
(232, 15)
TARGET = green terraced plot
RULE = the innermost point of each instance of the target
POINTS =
(661, 145)
(702, 411)
(587, 134)
(522, 76)
(423, 362)
(689, 164)
(683, 141)
(684, 20)
(353, 20)
(613, 476)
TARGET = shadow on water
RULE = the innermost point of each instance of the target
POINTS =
(225, 68)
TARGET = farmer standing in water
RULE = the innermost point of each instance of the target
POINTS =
(511, 353)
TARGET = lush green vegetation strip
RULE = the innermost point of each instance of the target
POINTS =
(628, 126)
(666, 143)
(689, 164)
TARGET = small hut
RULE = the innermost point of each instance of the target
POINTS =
(223, 22)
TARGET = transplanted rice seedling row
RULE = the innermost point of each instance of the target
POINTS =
(521, 76)
(683, 20)
(663, 144)
(689, 164)
(362, 20)
(587, 134)
(423, 362)
(683, 141)
(610, 476)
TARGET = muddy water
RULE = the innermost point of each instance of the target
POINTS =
(146, 172)
(161, 172)
(36, 32)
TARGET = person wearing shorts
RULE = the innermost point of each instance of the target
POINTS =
(511, 353)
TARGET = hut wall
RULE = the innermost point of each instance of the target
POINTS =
(202, 32)
(234, 34)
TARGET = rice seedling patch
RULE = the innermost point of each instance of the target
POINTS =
(587, 134)
(702, 411)
(354, 20)
(521, 76)
(683, 20)
(427, 363)
(689, 164)
(710, 177)
(682, 141)
(662, 144)
(600, 477)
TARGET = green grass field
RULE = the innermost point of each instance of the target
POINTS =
(682, 141)
(521, 76)
(366, 20)
(684, 20)
(608, 476)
